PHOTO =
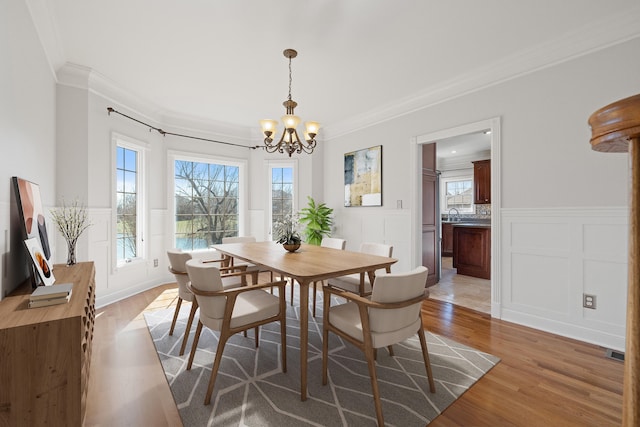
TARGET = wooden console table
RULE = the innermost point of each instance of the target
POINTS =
(45, 353)
(615, 128)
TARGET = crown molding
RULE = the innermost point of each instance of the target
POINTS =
(81, 77)
(217, 129)
(588, 39)
(48, 33)
(615, 30)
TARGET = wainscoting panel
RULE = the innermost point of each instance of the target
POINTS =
(99, 246)
(393, 226)
(551, 257)
(115, 283)
(156, 244)
(538, 277)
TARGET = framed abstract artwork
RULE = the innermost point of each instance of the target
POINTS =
(363, 177)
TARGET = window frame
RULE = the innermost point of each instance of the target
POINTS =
(280, 164)
(443, 190)
(242, 164)
(140, 147)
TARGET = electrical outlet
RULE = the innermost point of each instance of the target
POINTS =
(589, 301)
(155, 262)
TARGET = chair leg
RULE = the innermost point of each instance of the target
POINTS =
(283, 339)
(216, 366)
(257, 335)
(175, 315)
(194, 346)
(325, 339)
(427, 362)
(192, 314)
(315, 291)
(374, 385)
(390, 348)
(292, 283)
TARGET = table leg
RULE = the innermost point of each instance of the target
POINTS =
(304, 336)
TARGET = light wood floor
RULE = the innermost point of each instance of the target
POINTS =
(465, 291)
(542, 379)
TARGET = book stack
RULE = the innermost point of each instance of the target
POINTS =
(50, 295)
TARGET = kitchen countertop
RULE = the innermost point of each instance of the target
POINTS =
(469, 224)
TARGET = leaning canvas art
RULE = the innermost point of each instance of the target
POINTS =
(32, 213)
(363, 177)
(32, 216)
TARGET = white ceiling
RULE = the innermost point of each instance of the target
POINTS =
(222, 60)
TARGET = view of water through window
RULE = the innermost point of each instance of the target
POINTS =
(206, 203)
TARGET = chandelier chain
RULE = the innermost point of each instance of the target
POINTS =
(290, 79)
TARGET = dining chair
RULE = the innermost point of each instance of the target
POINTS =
(250, 267)
(391, 315)
(177, 266)
(327, 242)
(233, 310)
(351, 282)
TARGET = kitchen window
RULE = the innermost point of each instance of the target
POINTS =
(457, 194)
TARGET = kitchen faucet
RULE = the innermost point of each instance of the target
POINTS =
(457, 214)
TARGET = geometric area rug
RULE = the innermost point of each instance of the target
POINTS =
(251, 389)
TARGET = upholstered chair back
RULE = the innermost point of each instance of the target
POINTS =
(379, 249)
(206, 277)
(177, 262)
(332, 242)
(397, 287)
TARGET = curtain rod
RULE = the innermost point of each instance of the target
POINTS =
(163, 133)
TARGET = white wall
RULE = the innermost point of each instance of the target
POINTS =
(546, 162)
(27, 125)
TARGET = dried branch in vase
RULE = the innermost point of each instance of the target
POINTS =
(71, 221)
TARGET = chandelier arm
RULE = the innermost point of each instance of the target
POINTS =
(306, 148)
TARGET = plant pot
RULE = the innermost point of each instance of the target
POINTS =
(292, 248)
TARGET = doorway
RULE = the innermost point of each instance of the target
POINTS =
(477, 293)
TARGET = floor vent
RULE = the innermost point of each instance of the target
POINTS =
(614, 354)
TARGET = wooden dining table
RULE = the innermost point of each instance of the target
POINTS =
(308, 264)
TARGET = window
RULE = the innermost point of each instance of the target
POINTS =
(281, 194)
(283, 183)
(128, 201)
(458, 195)
(207, 203)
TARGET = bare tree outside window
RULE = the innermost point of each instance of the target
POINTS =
(127, 203)
(281, 196)
(206, 203)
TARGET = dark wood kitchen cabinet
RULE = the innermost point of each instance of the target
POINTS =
(472, 251)
(482, 182)
(447, 239)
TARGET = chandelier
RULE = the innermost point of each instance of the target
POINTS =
(289, 141)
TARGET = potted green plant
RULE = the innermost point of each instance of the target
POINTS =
(287, 233)
(318, 220)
